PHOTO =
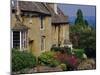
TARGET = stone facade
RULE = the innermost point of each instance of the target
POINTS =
(41, 34)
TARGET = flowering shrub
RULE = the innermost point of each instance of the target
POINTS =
(70, 60)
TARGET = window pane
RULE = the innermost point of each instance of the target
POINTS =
(41, 22)
(42, 43)
(16, 39)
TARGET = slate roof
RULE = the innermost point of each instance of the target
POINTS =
(57, 18)
(32, 7)
(43, 8)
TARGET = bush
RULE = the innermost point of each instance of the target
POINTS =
(22, 60)
(63, 67)
(70, 60)
(79, 53)
(62, 49)
(55, 49)
(47, 58)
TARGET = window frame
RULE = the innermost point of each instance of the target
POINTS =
(22, 40)
(43, 43)
(42, 27)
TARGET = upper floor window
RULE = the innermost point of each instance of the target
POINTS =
(42, 23)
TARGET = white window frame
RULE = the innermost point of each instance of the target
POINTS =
(20, 40)
(23, 40)
(12, 39)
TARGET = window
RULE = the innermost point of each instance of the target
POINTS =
(42, 24)
(43, 43)
(16, 39)
(19, 40)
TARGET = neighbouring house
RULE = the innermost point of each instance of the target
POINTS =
(37, 26)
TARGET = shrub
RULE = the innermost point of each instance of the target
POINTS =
(22, 60)
(63, 67)
(47, 58)
(70, 60)
(55, 49)
(62, 49)
(79, 53)
(61, 57)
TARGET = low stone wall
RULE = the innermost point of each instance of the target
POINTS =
(38, 69)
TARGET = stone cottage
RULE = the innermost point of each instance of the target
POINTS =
(37, 26)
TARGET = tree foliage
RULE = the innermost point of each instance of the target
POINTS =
(82, 35)
(80, 19)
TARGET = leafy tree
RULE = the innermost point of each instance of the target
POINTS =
(84, 38)
(82, 35)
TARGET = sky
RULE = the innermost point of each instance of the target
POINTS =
(70, 9)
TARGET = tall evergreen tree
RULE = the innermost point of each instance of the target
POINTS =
(80, 19)
(86, 22)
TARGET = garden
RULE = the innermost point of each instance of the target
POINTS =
(57, 60)
(81, 57)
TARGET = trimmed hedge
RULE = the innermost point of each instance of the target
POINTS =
(22, 60)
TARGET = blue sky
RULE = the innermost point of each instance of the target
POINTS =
(70, 9)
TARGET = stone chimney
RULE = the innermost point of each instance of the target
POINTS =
(54, 7)
(17, 6)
